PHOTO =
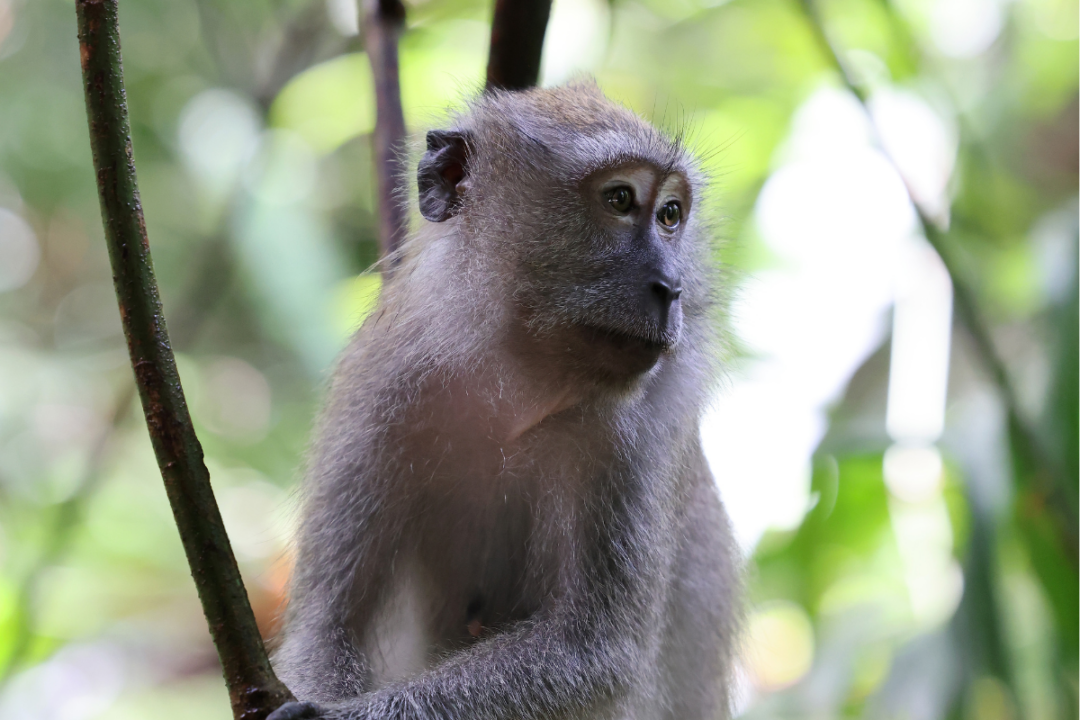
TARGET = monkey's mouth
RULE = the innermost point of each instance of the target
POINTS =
(626, 342)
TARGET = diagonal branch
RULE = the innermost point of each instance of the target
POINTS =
(382, 23)
(1048, 473)
(517, 41)
(303, 38)
(253, 688)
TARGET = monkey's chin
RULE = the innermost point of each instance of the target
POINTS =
(623, 353)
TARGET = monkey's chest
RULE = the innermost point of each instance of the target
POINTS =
(479, 553)
(478, 545)
(460, 576)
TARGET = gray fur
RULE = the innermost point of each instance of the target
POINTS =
(504, 515)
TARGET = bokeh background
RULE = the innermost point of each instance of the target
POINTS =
(896, 443)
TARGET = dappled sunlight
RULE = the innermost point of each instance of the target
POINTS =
(780, 646)
(833, 215)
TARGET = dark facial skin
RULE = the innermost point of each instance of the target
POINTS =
(643, 211)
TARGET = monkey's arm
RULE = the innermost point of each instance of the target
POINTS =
(550, 668)
(348, 531)
(594, 642)
(318, 657)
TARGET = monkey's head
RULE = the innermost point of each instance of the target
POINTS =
(582, 217)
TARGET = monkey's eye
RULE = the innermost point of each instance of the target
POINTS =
(621, 199)
(669, 215)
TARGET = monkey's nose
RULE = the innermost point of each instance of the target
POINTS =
(665, 291)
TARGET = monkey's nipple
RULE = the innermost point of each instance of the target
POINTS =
(474, 626)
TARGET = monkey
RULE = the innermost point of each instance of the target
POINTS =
(507, 512)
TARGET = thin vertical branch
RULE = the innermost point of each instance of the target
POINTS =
(517, 41)
(383, 21)
(1048, 476)
(253, 688)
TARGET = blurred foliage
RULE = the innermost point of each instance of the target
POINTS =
(251, 126)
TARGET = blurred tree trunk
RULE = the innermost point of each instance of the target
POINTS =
(517, 42)
(382, 22)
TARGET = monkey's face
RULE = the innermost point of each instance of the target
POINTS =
(615, 276)
(596, 245)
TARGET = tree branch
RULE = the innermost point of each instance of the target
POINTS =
(517, 40)
(1048, 474)
(253, 688)
(304, 42)
(382, 22)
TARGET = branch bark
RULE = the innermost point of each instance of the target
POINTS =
(517, 41)
(253, 688)
(382, 22)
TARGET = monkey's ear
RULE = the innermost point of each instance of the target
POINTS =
(441, 174)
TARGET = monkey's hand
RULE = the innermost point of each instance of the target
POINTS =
(297, 711)
(352, 709)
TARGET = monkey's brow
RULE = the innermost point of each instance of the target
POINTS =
(663, 169)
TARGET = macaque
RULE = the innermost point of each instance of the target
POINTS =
(507, 512)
